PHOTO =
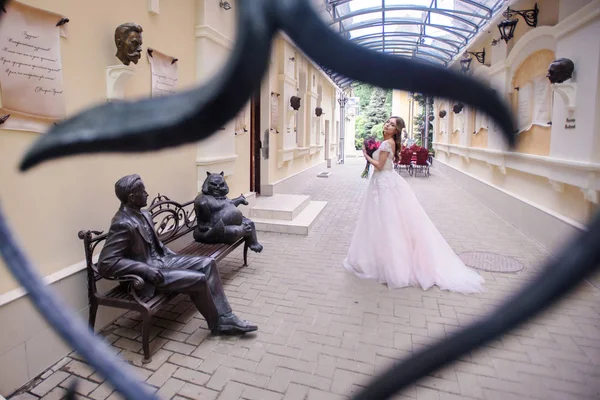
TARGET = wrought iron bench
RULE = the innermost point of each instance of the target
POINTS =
(171, 220)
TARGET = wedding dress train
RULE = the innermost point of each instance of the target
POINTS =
(396, 243)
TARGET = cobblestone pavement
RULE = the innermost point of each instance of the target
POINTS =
(324, 333)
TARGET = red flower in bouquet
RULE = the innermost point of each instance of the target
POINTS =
(371, 145)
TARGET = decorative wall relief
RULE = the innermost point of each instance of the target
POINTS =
(117, 77)
(524, 108)
(240, 124)
(274, 111)
(480, 121)
(165, 74)
(542, 102)
(568, 93)
(445, 125)
(534, 104)
(31, 68)
(559, 71)
(459, 122)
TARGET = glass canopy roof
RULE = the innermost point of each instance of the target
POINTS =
(430, 30)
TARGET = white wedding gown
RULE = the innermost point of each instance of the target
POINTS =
(396, 243)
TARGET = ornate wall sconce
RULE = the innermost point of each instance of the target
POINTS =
(295, 102)
(465, 63)
(224, 5)
(319, 111)
(442, 113)
(507, 27)
(457, 108)
(479, 55)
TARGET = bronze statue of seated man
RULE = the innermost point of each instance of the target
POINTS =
(218, 218)
(133, 247)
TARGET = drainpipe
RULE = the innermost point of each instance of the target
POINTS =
(425, 130)
(342, 100)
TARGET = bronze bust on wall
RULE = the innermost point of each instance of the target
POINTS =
(128, 39)
(560, 70)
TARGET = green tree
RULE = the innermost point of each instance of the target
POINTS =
(377, 131)
(376, 112)
(375, 107)
(359, 127)
(388, 102)
(363, 91)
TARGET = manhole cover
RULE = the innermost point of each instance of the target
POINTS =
(490, 262)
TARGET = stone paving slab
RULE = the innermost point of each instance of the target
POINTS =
(324, 333)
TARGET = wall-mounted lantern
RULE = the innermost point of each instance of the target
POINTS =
(507, 26)
(465, 63)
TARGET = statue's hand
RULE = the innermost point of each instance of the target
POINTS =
(241, 200)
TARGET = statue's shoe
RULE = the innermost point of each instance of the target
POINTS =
(231, 324)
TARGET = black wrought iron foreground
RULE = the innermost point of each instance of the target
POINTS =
(154, 124)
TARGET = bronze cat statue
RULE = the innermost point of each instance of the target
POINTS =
(218, 218)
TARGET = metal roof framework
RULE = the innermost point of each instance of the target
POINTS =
(429, 30)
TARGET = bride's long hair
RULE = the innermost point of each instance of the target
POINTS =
(400, 126)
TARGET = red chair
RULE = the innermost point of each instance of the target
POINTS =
(405, 162)
(422, 162)
(414, 149)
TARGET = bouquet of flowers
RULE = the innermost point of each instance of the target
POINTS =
(371, 144)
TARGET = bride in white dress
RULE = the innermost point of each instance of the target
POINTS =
(395, 242)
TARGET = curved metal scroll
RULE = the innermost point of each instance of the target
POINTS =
(194, 115)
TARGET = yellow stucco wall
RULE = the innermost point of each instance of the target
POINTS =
(570, 202)
(455, 137)
(47, 206)
(480, 139)
(314, 128)
(400, 104)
